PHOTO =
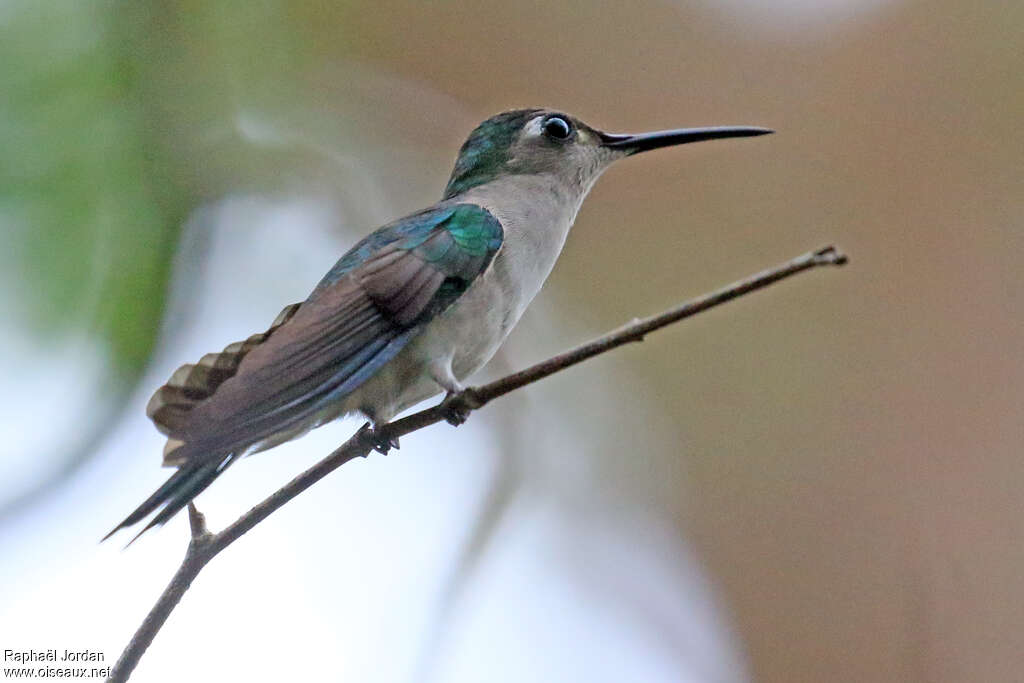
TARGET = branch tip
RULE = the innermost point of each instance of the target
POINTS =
(830, 256)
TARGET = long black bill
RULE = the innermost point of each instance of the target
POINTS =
(633, 144)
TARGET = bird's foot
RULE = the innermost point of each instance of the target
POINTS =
(380, 443)
(458, 405)
(456, 415)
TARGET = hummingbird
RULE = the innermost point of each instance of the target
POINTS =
(407, 313)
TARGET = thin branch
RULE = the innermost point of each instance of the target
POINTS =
(204, 546)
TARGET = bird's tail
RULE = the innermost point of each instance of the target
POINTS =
(175, 493)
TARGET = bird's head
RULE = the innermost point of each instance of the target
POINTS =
(546, 142)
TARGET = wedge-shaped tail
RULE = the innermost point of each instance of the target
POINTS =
(175, 493)
(191, 384)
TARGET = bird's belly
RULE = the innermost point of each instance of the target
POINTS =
(474, 327)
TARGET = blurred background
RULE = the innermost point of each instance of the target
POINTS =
(822, 481)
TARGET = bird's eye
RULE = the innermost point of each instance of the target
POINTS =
(557, 128)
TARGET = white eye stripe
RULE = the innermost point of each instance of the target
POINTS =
(534, 128)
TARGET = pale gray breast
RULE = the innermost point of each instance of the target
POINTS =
(535, 214)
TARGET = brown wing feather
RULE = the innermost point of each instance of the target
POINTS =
(400, 283)
(192, 383)
(329, 338)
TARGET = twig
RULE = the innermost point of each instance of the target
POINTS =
(204, 546)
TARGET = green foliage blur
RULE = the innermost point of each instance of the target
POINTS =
(88, 234)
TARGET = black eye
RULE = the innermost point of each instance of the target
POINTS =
(557, 128)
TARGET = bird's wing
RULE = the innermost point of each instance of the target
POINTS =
(193, 383)
(364, 312)
(377, 298)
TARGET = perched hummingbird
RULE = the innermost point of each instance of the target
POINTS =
(409, 312)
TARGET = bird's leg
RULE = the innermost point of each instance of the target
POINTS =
(456, 413)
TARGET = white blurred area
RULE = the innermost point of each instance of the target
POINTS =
(493, 552)
(796, 19)
(72, 368)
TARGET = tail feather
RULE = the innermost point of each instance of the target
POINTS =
(188, 482)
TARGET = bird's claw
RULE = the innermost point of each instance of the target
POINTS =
(458, 406)
(381, 444)
(456, 415)
(384, 446)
